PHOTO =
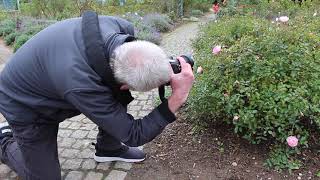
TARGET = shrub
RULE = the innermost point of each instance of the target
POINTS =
(265, 81)
(32, 30)
(196, 12)
(161, 23)
(281, 158)
(7, 27)
(202, 5)
(9, 39)
(20, 41)
(143, 31)
(3, 15)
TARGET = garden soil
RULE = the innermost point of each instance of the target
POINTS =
(217, 154)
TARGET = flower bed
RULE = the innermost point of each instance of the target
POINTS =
(262, 76)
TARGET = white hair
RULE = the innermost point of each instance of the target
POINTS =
(141, 65)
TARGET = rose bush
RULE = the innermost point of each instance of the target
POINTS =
(266, 81)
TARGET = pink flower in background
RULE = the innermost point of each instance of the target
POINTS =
(216, 50)
(292, 141)
(200, 70)
(284, 19)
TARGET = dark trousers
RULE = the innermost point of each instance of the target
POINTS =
(33, 154)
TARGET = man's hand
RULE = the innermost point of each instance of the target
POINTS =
(181, 85)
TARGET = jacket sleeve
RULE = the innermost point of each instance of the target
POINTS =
(111, 116)
(126, 26)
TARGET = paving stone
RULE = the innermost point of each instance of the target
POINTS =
(150, 102)
(94, 176)
(75, 125)
(143, 113)
(2, 119)
(60, 150)
(72, 164)
(64, 132)
(69, 153)
(81, 143)
(135, 108)
(147, 107)
(4, 170)
(74, 175)
(88, 126)
(123, 165)
(104, 166)
(143, 97)
(86, 120)
(62, 160)
(92, 134)
(133, 113)
(86, 153)
(116, 175)
(78, 118)
(79, 134)
(141, 103)
(133, 103)
(89, 164)
(67, 142)
(59, 139)
(64, 124)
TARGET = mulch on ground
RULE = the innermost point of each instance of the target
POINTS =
(219, 154)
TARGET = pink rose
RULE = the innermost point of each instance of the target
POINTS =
(292, 141)
(216, 50)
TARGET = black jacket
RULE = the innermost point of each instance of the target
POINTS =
(48, 79)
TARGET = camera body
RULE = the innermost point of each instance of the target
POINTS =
(175, 63)
(176, 67)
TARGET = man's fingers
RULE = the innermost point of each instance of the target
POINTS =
(183, 63)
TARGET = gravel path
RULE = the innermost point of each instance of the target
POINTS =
(179, 41)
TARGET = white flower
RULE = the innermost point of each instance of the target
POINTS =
(200, 70)
(272, 22)
(277, 19)
(284, 19)
(315, 14)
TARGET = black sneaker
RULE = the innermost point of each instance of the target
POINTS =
(126, 154)
(5, 130)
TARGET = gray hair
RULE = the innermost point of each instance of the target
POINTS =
(141, 65)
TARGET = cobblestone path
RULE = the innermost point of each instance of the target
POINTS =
(76, 134)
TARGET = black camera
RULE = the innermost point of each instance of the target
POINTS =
(176, 67)
(175, 63)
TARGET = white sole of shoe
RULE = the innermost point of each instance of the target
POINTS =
(4, 124)
(110, 159)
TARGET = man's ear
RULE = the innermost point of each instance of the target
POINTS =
(124, 87)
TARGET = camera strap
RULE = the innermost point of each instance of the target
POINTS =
(97, 58)
(161, 91)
